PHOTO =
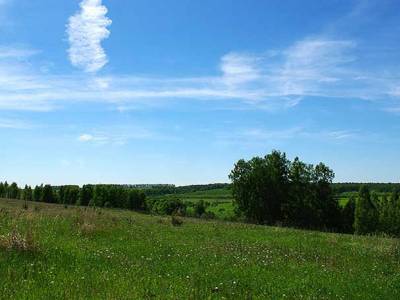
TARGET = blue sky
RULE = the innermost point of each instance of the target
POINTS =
(176, 91)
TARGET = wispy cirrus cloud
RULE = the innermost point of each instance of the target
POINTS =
(239, 69)
(119, 135)
(7, 123)
(277, 135)
(316, 67)
(86, 30)
(16, 52)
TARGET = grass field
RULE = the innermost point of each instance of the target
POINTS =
(220, 201)
(53, 252)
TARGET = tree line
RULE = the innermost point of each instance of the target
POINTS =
(267, 190)
(169, 189)
(274, 190)
(101, 195)
(354, 187)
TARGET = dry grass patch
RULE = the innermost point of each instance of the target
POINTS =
(19, 242)
(90, 222)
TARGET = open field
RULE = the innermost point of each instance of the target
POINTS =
(220, 201)
(211, 195)
(53, 252)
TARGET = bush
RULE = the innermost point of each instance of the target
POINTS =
(175, 221)
(167, 206)
(208, 215)
(200, 208)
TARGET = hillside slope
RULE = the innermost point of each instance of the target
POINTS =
(53, 252)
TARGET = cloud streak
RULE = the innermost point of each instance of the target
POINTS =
(14, 124)
(86, 30)
(318, 67)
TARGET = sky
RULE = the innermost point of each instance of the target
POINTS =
(176, 91)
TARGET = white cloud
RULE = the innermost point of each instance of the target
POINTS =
(239, 68)
(86, 30)
(16, 53)
(119, 135)
(86, 138)
(264, 135)
(313, 63)
(310, 68)
(14, 124)
(340, 134)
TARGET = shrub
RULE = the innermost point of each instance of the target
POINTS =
(200, 208)
(175, 221)
(168, 206)
(208, 215)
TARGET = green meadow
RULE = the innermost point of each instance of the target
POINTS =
(50, 251)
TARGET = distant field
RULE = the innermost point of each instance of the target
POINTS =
(53, 252)
(212, 195)
(220, 201)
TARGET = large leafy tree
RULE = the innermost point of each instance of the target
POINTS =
(298, 208)
(272, 189)
(260, 186)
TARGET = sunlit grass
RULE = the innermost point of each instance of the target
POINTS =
(112, 254)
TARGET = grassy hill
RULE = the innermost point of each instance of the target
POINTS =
(53, 252)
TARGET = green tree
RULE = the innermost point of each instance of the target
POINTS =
(348, 215)
(38, 193)
(366, 215)
(13, 191)
(137, 200)
(6, 191)
(260, 186)
(2, 190)
(298, 208)
(27, 193)
(389, 213)
(48, 194)
(325, 203)
(86, 194)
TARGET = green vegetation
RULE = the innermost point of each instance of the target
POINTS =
(273, 189)
(48, 251)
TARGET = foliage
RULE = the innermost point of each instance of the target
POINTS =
(260, 187)
(354, 187)
(348, 215)
(274, 190)
(366, 213)
(48, 194)
(200, 208)
(166, 206)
